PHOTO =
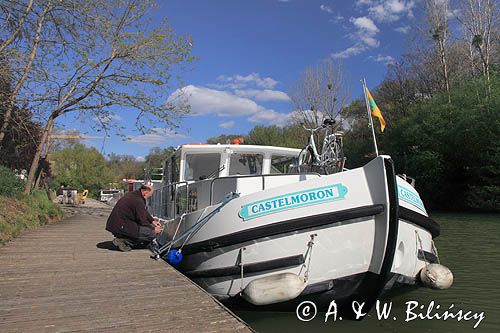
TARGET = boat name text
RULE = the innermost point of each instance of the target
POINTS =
(293, 200)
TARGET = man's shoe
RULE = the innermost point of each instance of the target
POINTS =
(121, 245)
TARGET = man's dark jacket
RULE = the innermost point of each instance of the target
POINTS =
(128, 214)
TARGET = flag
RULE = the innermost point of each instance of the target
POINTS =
(375, 110)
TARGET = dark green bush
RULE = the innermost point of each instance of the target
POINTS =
(10, 185)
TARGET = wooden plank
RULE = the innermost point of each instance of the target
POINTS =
(61, 279)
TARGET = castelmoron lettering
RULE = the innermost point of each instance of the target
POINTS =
(293, 200)
(410, 197)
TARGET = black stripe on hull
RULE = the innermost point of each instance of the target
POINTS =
(257, 267)
(423, 221)
(283, 227)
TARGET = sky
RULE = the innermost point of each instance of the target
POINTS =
(249, 54)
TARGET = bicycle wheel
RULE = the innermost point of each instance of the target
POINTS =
(305, 160)
(331, 156)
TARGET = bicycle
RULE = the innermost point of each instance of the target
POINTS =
(331, 159)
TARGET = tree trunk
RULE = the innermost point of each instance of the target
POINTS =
(442, 53)
(38, 154)
(46, 186)
(38, 179)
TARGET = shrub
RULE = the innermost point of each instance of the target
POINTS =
(10, 184)
(25, 212)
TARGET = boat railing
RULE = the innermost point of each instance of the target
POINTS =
(158, 204)
(214, 180)
(177, 196)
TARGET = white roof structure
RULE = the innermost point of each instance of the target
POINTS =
(209, 148)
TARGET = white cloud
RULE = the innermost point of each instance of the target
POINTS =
(265, 95)
(156, 137)
(351, 51)
(326, 8)
(382, 58)
(240, 81)
(270, 117)
(205, 101)
(364, 37)
(338, 18)
(140, 158)
(227, 124)
(404, 29)
(364, 2)
(364, 24)
(387, 10)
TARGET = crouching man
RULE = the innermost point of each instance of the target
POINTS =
(130, 222)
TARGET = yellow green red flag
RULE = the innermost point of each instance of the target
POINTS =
(375, 110)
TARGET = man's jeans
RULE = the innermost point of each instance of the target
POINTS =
(146, 235)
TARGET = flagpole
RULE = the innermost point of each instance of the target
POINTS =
(368, 109)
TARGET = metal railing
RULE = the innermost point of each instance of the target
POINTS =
(159, 203)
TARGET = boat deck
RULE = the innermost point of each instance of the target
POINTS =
(68, 277)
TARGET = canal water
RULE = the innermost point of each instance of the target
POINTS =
(469, 245)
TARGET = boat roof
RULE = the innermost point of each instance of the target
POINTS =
(210, 148)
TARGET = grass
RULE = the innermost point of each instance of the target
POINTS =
(25, 212)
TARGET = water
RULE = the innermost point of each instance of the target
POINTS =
(469, 245)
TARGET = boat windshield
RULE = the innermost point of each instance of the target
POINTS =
(245, 164)
(200, 166)
(282, 164)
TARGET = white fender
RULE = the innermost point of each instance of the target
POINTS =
(436, 276)
(274, 289)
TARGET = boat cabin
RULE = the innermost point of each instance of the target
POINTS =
(201, 175)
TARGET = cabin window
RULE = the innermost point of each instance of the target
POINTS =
(202, 166)
(282, 164)
(245, 164)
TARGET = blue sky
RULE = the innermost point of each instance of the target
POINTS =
(251, 52)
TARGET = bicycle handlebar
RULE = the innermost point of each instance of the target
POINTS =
(310, 129)
(324, 125)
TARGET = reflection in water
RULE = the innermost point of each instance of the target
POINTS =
(469, 246)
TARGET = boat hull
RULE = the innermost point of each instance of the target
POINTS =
(353, 243)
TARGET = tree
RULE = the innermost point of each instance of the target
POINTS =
(154, 162)
(118, 63)
(478, 17)
(81, 168)
(320, 93)
(223, 139)
(437, 18)
(21, 137)
(13, 22)
(26, 62)
(291, 136)
(125, 167)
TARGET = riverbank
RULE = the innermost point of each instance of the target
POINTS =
(26, 212)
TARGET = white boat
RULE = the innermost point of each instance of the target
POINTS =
(256, 235)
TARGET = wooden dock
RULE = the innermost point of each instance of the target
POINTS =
(68, 277)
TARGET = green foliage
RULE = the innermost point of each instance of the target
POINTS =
(124, 166)
(81, 168)
(223, 139)
(25, 212)
(290, 136)
(157, 156)
(452, 149)
(10, 184)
